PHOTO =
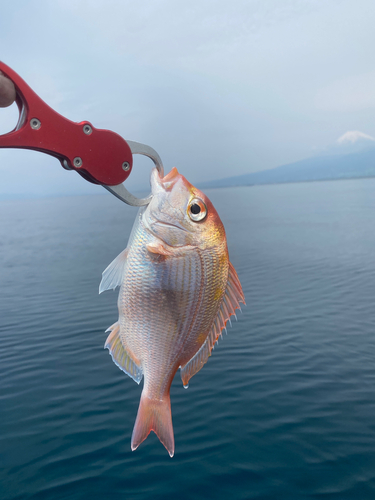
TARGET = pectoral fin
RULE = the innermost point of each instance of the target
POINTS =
(159, 247)
(113, 274)
(231, 301)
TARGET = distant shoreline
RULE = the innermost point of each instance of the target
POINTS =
(20, 197)
(331, 179)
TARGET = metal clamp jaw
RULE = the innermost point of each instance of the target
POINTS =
(100, 156)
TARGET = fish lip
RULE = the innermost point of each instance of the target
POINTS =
(155, 221)
(156, 182)
(162, 219)
(159, 222)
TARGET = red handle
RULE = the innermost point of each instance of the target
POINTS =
(100, 156)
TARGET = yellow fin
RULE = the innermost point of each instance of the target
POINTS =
(120, 355)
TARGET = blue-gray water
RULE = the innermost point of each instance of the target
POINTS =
(285, 407)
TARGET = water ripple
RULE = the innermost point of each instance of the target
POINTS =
(283, 409)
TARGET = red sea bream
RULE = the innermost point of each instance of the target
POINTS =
(178, 290)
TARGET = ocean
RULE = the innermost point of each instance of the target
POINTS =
(283, 409)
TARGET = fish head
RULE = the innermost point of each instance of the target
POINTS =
(180, 214)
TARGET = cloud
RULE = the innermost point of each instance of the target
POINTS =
(213, 86)
(350, 94)
(353, 136)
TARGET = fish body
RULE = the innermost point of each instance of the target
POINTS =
(177, 291)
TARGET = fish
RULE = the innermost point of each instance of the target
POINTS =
(178, 290)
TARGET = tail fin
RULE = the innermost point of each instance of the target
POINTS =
(154, 415)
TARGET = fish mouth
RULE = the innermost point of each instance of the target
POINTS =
(170, 179)
(164, 183)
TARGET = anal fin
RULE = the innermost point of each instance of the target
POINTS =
(120, 355)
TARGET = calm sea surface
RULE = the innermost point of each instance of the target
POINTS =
(285, 407)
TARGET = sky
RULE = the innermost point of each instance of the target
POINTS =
(217, 88)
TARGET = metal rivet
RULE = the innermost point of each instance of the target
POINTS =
(87, 129)
(35, 123)
(125, 166)
(77, 162)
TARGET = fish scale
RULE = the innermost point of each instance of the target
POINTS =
(177, 291)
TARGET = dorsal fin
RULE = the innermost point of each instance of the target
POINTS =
(231, 301)
(120, 355)
(113, 274)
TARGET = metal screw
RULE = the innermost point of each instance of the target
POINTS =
(77, 162)
(35, 123)
(125, 166)
(87, 129)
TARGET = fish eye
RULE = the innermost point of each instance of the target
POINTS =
(197, 210)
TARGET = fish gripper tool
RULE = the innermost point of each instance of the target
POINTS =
(99, 156)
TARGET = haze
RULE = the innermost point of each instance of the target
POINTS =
(217, 88)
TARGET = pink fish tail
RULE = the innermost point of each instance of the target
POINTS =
(154, 415)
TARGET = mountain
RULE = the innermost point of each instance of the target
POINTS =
(344, 166)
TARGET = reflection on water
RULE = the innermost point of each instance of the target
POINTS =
(284, 409)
